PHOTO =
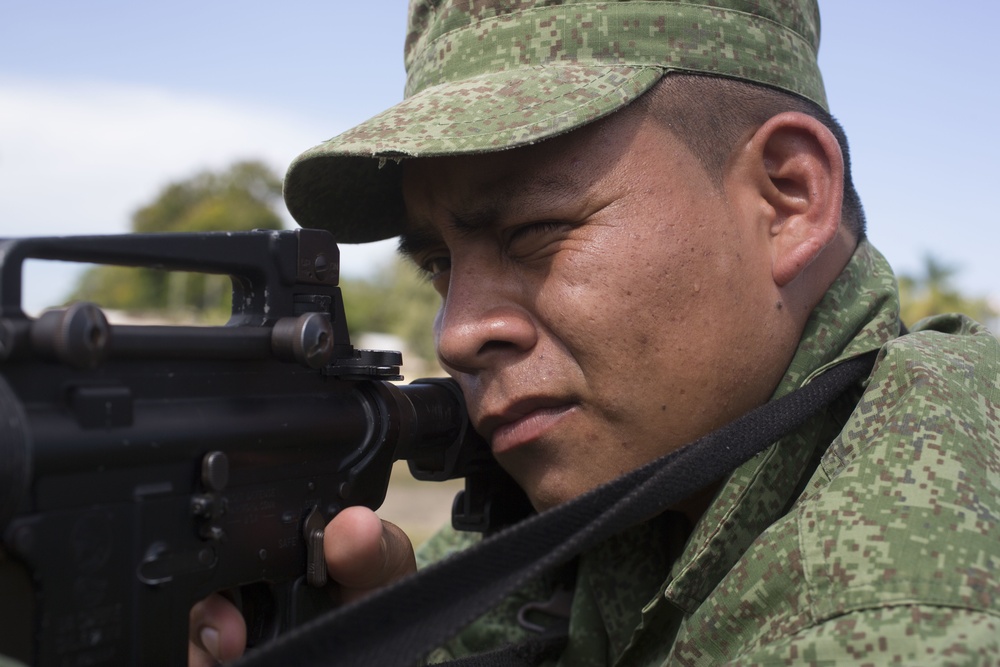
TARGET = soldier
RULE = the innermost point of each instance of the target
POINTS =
(641, 222)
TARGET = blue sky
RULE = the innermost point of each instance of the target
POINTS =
(102, 103)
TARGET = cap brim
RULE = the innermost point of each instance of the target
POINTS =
(350, 185)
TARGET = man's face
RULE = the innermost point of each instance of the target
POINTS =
(603, 300)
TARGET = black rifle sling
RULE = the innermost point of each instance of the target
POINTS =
(401, 623)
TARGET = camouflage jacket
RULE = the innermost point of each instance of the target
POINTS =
(869, 536)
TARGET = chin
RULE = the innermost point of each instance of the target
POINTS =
(548, 481)
(548, 493)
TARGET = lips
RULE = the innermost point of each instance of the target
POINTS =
(523, 421)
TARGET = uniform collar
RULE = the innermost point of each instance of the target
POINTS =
(859, 313)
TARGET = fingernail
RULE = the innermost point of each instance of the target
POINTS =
(210, 640)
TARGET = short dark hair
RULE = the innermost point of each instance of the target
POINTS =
(712, 114)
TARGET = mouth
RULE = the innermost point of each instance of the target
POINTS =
(523, 422)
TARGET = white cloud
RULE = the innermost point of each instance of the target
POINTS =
(80, 158)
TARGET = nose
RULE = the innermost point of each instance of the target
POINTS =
(481, 321)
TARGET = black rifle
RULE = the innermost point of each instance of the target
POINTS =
(143, 468)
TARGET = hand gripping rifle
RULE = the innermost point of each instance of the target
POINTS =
(144, 467)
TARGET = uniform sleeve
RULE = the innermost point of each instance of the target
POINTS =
(497, 627)
(443, 543)
(900, 635)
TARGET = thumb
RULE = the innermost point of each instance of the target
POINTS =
(364, 553)
(217, 632)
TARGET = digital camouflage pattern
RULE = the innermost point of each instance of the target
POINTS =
(487, 75)
(869, 536)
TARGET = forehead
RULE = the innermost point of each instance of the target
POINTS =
(547, 173)
(470, 195)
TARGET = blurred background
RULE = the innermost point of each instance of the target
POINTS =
(105, 105)
(120, 116)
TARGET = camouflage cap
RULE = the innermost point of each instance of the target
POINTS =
(488, 75)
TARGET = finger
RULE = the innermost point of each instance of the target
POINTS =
(217, 632)
(364, 553)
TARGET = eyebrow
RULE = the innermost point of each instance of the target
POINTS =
(421, 235)
(413, 241)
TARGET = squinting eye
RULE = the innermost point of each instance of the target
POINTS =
(526, 238)
(536, 228)
(435, 266)
(536, 240)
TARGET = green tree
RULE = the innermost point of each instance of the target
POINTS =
(245, 196)
(931, 292)
(396, 300)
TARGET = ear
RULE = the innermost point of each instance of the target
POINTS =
(797, 173)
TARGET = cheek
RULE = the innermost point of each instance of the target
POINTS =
(645, 286)
(584, 301)
(610, 309)
(651, 307)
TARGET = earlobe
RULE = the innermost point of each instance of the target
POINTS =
(800, 182)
